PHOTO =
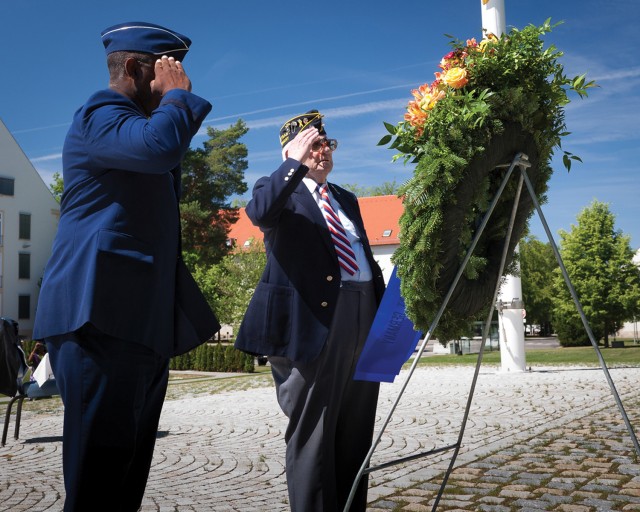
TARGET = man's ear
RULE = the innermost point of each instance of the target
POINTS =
(132, 68)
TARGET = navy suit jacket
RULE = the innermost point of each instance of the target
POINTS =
(292, 307)
(115, 259)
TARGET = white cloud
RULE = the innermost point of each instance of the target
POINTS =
(46, 158)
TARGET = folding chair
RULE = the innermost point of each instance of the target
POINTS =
(15, 369)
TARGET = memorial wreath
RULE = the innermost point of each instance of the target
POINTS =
(489, 101)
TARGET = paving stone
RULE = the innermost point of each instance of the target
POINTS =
(531, 505)
(600, 505)
(492, 508)
(507, 493)
(570, 507)
(555, 498)
(221, 449)
(557, 483)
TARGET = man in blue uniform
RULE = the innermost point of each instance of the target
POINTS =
(117, 301)
(311, 313)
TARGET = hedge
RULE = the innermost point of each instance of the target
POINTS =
(214, 358)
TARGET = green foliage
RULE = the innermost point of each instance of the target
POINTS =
(570, 329)
(599, 261)
(213, 358)
(57, 186)
(229, 284)
(537, 264)
(27, 346)
(388, 188)
(210, 175)
(511, 81)
(542, 358)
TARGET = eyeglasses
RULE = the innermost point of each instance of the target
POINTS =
(321, 143)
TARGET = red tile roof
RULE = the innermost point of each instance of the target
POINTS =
(380, 214)
(243, 230)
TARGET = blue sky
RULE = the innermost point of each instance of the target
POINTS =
(355, 61)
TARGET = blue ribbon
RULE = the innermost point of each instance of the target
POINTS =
(391, 340)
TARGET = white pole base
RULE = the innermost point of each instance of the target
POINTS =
(512, 355)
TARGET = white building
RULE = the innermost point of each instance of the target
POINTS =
(631, 329)
(28, 222)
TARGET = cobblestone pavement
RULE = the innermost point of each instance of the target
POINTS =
(549, 439)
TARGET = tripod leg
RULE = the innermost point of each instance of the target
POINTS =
(583, 317)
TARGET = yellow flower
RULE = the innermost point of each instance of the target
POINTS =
(490, 38)
(455, 77)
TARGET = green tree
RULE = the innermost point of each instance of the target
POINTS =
(57, 186)
(210, 175)
(229, 284)
(388, 188)
(537, 263)
(599, 261)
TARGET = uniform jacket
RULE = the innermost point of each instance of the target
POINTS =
(292, 307)
(115, 259)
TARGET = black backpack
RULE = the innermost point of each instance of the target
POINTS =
(13, 365)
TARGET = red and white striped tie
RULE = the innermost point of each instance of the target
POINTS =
(346, 256)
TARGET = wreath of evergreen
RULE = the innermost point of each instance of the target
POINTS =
(490, 101)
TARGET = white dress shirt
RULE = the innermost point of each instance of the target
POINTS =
(364, 270)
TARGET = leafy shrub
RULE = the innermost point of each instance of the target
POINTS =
(213, 358)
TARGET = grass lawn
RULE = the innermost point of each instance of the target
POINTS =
(563, 356)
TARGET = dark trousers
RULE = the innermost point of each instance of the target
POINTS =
(113, 393)
(331, 416)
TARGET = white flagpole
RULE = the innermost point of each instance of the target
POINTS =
(493, 19)
(510, 307)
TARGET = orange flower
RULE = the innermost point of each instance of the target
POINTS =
(427, 95)
(420, 91)
(415, 115)
(455, 78)
(425, 98)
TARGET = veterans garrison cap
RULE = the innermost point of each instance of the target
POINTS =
(298, 123)
(140, 36)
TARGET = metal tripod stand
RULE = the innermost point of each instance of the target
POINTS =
(522, 162)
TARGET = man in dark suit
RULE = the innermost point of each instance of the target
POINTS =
(311, 314)
(117, 301)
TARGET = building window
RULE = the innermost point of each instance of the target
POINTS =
(25, 226)
(24, 265)
(24, 307)
(387, 232)
(6, 186)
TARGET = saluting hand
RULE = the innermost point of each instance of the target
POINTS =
(300, 147)
(169, 75)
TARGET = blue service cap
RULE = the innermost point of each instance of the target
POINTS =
(140, 36)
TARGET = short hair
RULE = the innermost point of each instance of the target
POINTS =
(116, 60)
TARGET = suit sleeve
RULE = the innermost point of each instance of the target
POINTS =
(119, 136)
(271, 193)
